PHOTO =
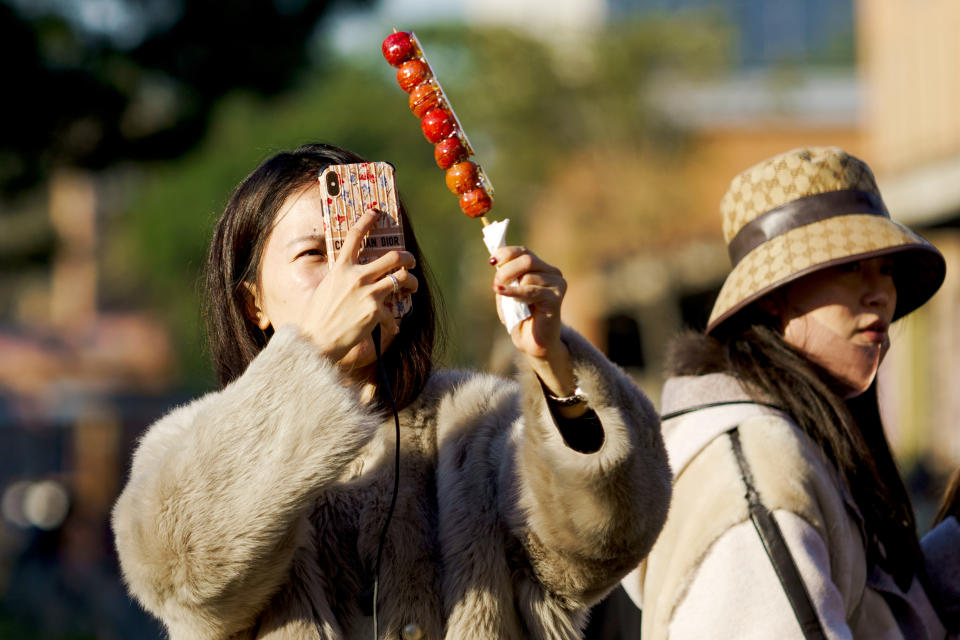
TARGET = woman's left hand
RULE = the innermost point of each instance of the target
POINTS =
(525, 277)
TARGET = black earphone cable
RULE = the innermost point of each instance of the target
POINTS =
(396, 473)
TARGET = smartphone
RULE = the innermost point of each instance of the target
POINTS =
(350, 190)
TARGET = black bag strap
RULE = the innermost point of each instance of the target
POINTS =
(777, 550)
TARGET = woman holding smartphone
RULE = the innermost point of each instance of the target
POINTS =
(789, 518)
(258, 510)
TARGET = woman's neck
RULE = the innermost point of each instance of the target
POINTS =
(363, 380)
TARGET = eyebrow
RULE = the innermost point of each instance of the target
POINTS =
(307, 238)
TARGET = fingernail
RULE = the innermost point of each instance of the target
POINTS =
(492, 260)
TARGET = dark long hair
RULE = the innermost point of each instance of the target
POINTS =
(233, 259)
(849, 434)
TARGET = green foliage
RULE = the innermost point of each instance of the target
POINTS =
(526, 105)
(92, 95)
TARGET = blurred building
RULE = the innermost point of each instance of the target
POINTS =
(656, 264)
(768, 33)
(77, 384)
(910, 63)
(539, 17)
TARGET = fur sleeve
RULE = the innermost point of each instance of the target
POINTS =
(586, 519)
(208, 522)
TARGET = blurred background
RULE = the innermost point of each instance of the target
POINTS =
(610, 129)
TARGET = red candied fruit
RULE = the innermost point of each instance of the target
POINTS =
(424, 98)
(436, 124)
(449, 151)
(476, 202)
(412, 73)
(398, 48)
(461, 177)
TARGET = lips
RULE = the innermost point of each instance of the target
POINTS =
(875, 332)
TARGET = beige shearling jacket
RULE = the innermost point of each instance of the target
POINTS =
(708, 575)
(255, 511)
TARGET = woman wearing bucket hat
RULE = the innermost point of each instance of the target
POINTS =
(788, 517)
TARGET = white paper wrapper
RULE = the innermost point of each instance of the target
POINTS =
(512, 311)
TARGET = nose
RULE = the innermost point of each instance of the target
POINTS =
(880, 291)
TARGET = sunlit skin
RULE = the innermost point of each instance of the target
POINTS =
(525, 277)
(338, 308)
(852, 304)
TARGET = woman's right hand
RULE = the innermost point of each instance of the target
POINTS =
(351, 299)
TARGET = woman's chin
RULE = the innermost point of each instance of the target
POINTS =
(362, 356)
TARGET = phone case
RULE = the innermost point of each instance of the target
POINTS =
(350, 190)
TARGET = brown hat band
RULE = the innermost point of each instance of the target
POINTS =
(801, 212)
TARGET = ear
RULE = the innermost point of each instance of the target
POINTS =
(253, 308)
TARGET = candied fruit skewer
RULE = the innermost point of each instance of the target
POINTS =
(476, 196)
(416, 77)
(444, 101)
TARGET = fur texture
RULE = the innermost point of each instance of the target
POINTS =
(255, 512)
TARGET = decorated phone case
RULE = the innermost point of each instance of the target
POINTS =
(350, 190)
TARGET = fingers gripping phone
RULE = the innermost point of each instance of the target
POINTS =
(350, 190)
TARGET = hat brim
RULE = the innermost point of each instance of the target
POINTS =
(919, 269)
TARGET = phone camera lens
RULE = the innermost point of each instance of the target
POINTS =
(333, 184)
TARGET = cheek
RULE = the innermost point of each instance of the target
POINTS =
(804, 330)
(835, 317)
(305, 276)
(287, 289)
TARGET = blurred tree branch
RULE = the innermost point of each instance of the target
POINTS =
(82, 99)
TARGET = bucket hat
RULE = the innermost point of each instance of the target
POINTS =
(810, 209)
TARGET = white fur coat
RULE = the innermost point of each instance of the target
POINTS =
(255, 511)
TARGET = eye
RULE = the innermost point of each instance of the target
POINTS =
(850, 267)
(313, 252)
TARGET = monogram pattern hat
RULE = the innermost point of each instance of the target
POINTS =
(806, 210)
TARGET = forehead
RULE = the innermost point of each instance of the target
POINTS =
(840, 276)
(301, 211)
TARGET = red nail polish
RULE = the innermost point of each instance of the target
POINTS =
(492, 260)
